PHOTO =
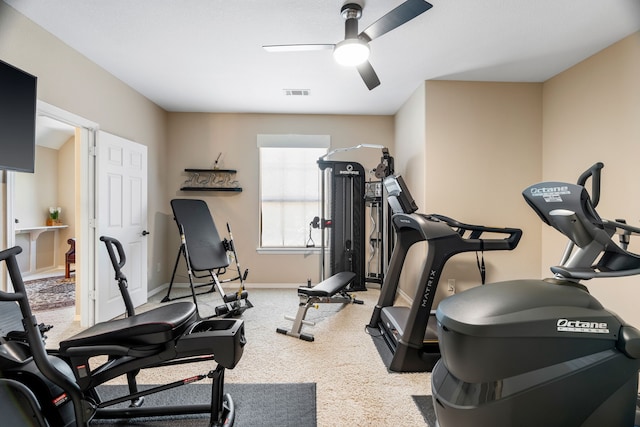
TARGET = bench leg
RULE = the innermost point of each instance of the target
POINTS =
(332, 290)
(296, 328)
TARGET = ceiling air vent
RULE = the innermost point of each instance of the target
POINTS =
(296, 92)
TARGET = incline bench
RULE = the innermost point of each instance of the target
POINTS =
(323, 292)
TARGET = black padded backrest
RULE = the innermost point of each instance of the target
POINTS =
(567, 208)
(206, 249)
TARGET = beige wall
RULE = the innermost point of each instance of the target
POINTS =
(34, 194)
(410, 163)
(591, 114)
(73, 83)
(66, 193)
(37, 191)
(195, 140)
(51, 185)
(481, 148)
(410, 144)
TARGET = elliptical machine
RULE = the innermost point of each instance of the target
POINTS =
(42, 387)
(544, 352)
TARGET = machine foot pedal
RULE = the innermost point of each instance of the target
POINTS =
(136, 403)
(235, 297)
(222, 310)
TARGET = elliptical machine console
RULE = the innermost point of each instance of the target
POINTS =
(544, 352)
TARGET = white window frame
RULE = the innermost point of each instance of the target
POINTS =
(286, 141)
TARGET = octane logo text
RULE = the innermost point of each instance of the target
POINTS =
(566, 325)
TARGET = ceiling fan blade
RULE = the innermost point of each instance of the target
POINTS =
(296, 47)
(368, 75)
(397, 17)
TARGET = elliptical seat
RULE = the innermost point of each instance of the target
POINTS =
(155, 327)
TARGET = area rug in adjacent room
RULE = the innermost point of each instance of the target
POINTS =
(265, 405)
(50, 293)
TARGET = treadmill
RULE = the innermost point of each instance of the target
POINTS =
(411, 332)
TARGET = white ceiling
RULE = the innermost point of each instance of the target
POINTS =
(207, 56)
(51, 133)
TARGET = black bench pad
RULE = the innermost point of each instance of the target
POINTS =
(329, 286)
(153, 327)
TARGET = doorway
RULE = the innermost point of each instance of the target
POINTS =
(44, 217)
(24, 213)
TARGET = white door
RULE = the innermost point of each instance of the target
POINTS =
(121, 214)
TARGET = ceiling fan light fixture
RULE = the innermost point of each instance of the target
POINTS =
(351, 52)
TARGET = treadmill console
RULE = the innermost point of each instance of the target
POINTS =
(399, 197)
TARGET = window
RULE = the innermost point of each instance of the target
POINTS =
(289, 189)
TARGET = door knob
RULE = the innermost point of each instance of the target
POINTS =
(145, 232)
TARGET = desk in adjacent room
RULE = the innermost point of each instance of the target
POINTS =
(34, 233)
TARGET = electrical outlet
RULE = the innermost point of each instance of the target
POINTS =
(451, 286)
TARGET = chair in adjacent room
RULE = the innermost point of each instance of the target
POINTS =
(70, 258)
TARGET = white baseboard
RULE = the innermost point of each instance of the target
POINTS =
(403, 295)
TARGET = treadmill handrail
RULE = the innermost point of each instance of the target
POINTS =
(507, 243)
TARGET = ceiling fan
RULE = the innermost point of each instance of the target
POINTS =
(354, 49)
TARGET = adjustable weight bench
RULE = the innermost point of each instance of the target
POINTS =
(331, 290)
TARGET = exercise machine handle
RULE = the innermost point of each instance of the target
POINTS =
(508, 243)
(118, 263)
(121, 260)
(594, 172)
(19, 293)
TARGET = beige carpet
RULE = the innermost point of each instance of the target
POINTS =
(354, 387)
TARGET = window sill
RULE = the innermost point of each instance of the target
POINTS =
(289, 251)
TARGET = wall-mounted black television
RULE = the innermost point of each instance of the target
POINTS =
(18, 100)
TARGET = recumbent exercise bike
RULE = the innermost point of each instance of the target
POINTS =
(47, 388)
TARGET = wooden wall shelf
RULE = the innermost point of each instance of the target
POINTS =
(220, 180)
(232, 189)
(230, 171)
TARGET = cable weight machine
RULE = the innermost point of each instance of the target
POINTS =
(348, 201)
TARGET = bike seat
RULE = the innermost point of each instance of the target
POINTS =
(158, 326)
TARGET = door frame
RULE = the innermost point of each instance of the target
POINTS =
(85, 205)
